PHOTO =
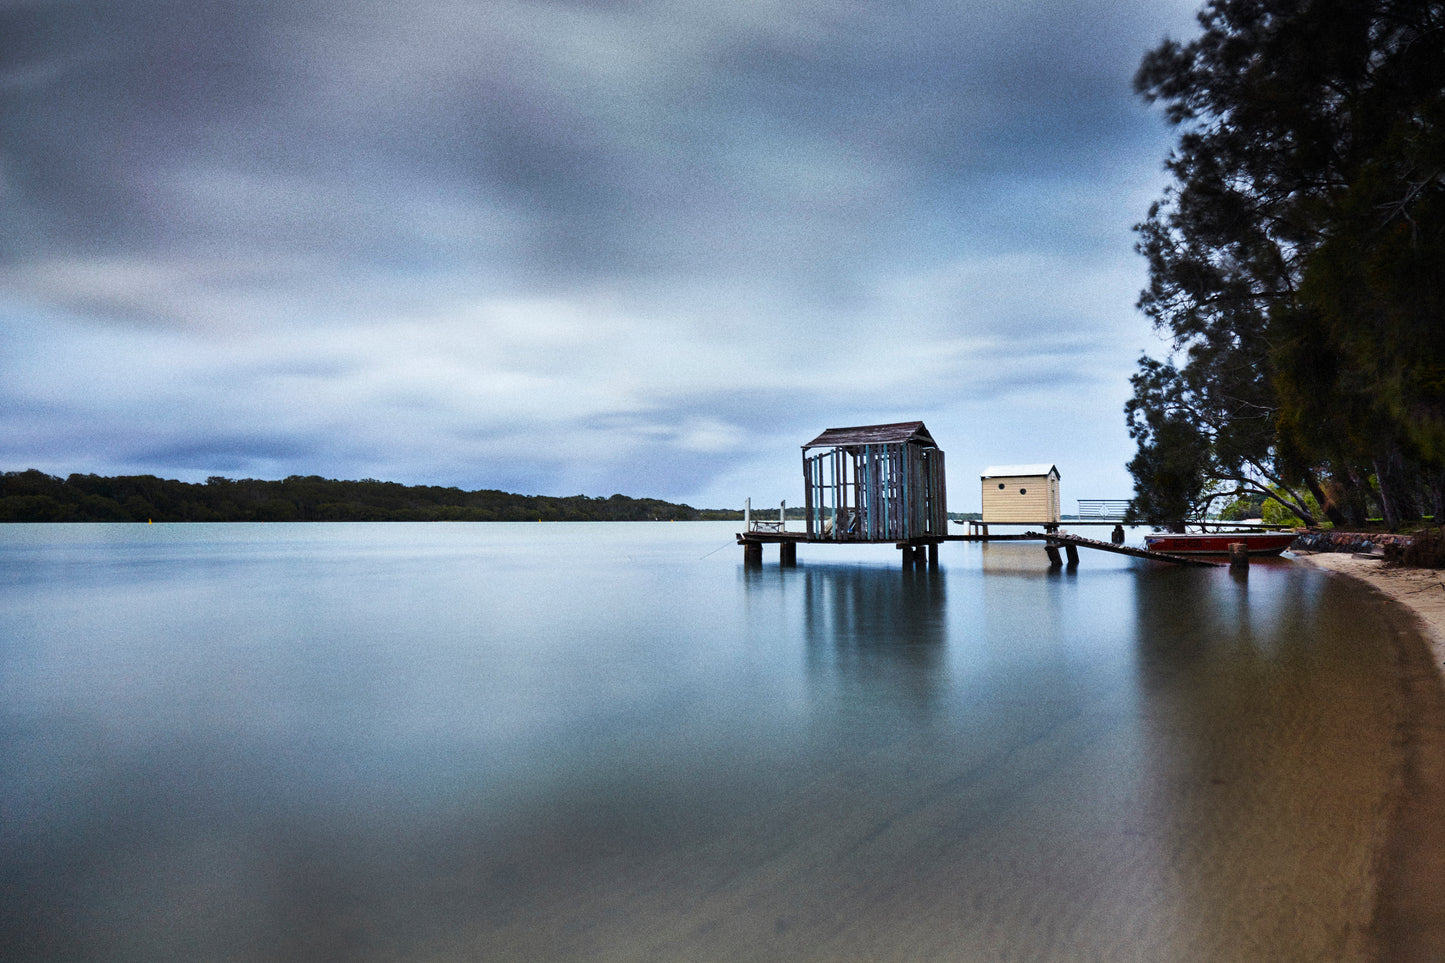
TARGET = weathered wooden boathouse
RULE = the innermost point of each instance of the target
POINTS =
(869, 483)
(875, 483)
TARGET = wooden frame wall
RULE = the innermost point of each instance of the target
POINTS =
(875, 493)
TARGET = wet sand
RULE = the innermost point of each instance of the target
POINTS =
(1421, 590)
(1409, 919)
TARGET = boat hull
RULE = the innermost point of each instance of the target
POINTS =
(1217, 543)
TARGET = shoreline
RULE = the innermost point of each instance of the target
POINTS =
(1419, 590)
(1409, 918)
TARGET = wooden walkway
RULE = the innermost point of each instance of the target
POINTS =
(1081, 542)
(788, 543)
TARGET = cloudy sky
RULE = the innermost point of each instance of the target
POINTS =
(571, 246)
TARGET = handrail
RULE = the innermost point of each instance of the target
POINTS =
(1103, 507)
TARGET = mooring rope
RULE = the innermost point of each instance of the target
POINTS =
(718, 549)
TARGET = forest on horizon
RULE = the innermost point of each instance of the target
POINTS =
(34, 496)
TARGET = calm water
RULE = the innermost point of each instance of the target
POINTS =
(537, 742)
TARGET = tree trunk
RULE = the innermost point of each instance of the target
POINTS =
(1396, 500)
(1294, 505)
(1387, 501)
(1436, 495)
(1327, 504)
(1354, 492)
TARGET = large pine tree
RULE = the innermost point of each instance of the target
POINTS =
(1296, 262)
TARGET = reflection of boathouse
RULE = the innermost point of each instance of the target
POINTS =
(875, 483)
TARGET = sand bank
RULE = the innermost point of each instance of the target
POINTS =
(1409, 919)
(1421, 590)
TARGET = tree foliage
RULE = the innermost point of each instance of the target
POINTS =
(1295, 262)
(33, 496)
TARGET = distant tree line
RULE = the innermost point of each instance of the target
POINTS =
(33, 496)
(1296, 265)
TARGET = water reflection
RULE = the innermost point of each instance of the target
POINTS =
(421, 742)
(1255, 696)
(879, 634)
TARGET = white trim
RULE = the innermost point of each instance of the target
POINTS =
(1019, 471)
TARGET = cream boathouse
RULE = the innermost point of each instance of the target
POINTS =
(1021, 495)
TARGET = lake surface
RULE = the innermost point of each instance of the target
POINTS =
(612, 741)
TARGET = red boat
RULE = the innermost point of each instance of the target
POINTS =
(1217, 543)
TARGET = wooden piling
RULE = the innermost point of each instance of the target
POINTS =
(1238, 557)
(1052, 551)
(788, 553)
(933, 555)
(1072, 551)
(753, 553)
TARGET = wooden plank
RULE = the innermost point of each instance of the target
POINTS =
(1079, 540)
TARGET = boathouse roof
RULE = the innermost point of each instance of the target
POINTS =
(1018, 471)
(901, 432)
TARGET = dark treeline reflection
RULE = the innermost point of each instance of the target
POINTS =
(1255, 694)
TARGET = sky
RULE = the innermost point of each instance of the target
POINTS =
(572, 246)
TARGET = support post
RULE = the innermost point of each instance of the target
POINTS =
(933, 555)
(1072, 551)
(753, 554)
(907, 553)
(1238, 557)
(1052, 551)
(788, 553)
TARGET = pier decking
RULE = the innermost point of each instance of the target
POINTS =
(918, 550)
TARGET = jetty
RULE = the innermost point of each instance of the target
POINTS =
(885, 484)
(919, 551)
(1072, 543)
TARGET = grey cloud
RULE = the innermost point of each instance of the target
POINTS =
(351, 188)
(602, 154)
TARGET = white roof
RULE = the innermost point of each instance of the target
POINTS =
(1015, 471)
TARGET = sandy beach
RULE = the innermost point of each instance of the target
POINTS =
(1409, 922)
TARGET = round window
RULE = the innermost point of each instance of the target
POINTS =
(1023, 491)
(1000, 486)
